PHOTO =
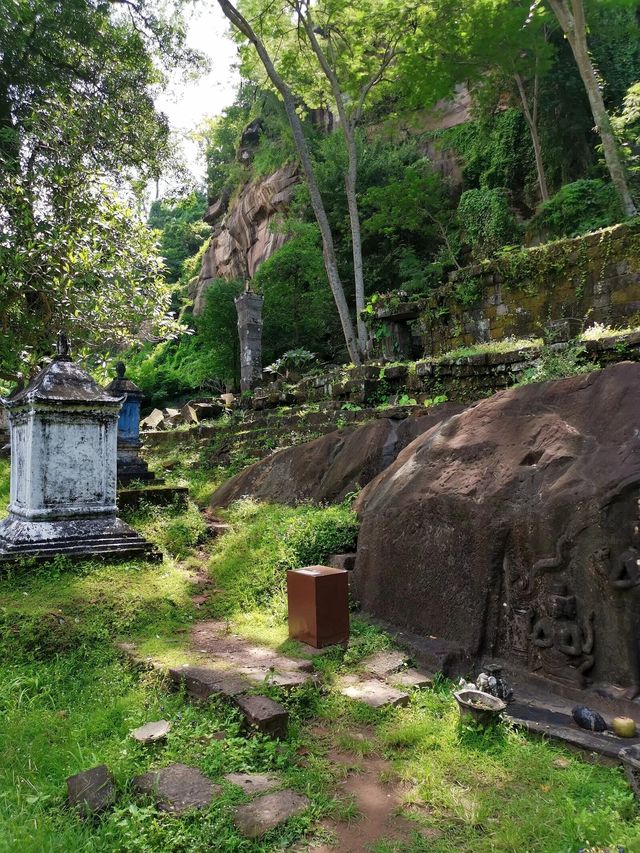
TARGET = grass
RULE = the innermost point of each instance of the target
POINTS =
(506, 345)
(68, 701)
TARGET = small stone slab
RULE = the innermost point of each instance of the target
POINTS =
(265, 813)
(202, 683)
(92, 791)
(152, 732)
(253, 783)
(177, 788)
(285, 680)
(376, 694)
(384, 663)
(265, 715)
(411, 678)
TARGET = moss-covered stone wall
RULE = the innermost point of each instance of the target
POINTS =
(593, 279)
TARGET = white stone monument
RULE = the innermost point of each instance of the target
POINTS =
(64, 432)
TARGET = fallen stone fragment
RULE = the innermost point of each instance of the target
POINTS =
(384, 663)
(152, 732)
(177, 788)
(265, 813)
(411, 678)
(375, 693)
(202, 683)
(265, 715)
(188, 414)
(253, 783)
(92, 791)
(153, 421)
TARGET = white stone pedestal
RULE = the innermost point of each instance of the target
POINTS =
(63, 469)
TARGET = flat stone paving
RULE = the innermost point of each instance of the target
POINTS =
(202, 682)
(374, 693)
(265, 813)
(384, 663)
(414, 678)
(177, 788)
(253, 783)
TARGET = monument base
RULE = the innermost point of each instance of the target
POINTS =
(133, 469)
(77, 538)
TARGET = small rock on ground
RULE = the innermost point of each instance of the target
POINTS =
(265, 813)
(253, 783)
(177, 788)
(375, 693)
(384, 663)
(92, 791)
(152, 732)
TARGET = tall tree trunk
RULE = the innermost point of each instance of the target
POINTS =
(328, 249)
(572, 20)
(351, 176)
(532, 123)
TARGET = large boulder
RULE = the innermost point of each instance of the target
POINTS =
(330, 467)
(512, 531)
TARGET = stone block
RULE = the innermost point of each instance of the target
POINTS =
(342, 561)
(155, 420)
(91, 791)
(202, 683)
(375, 693)
(269, 811)
(177, 788)
(265, 715)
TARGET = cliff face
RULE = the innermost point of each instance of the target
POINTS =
(242, 236)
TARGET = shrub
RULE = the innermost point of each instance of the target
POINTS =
(250, 564)
(577, 208)
(487, 221)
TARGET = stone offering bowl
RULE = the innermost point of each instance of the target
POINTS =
(482, 707)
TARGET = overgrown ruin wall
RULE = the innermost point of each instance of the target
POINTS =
(590, 279)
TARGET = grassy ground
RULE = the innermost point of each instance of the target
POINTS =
(68, 701)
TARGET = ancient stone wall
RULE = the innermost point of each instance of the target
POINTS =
(590, 279)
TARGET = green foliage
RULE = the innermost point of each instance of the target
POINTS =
(272, 539)
(194, 362)
(182, 231)
(627, 126)
(79, 134)
(486, 220)
(558, 362)
(294, 360)
(495, 150)
(577, 208)
(299, 311)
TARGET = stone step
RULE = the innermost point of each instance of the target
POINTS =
(177, 788)
(264, 715)
(123, 549)
(202, 683)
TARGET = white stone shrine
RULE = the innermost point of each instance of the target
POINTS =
(64, 431)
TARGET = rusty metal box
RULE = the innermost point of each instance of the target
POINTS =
(318, 605)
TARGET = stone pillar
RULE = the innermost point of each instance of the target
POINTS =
(63, 469)
(249, 308)
(130, 466)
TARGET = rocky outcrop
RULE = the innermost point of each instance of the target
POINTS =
(508, 530)
(511, 531)
(244, 238)
(330, 467)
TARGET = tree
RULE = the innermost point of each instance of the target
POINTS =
(370, 37)
(302, 148)
(571, 17)
(78, 135)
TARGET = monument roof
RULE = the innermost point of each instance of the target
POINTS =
(63, 381)
(122, 385)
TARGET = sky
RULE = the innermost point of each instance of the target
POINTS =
(187, 103)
